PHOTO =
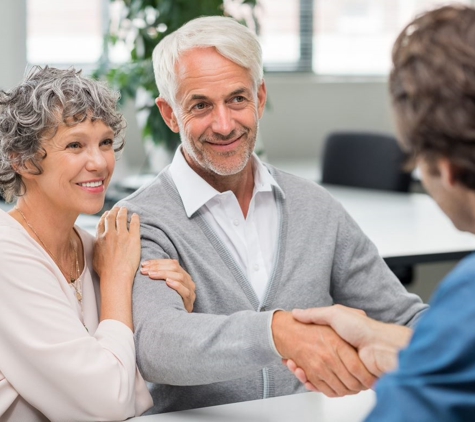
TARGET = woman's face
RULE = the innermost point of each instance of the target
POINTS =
(77, 169)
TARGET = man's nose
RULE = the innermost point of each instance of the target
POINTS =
(223, 121)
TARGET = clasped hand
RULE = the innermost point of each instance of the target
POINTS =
(376, 343)
(328, 363)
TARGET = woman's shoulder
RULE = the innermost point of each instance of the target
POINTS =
(12, 232)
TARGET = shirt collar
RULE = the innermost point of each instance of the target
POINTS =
(196, 192)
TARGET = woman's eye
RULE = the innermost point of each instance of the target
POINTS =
(107, 142)
(74, 145)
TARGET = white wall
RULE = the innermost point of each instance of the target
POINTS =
(12, 42)
(304, 109)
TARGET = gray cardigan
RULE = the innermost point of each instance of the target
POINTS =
(223, 352)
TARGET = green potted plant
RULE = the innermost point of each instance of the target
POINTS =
(137, 27)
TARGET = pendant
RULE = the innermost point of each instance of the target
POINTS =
(79, 297)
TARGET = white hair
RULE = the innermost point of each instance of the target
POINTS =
(232, 40)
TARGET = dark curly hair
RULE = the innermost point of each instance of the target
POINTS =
(32, 112)
(432, 85)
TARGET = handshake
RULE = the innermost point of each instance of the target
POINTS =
(337, 350)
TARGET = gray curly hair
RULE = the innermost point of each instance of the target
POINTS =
(32, 112)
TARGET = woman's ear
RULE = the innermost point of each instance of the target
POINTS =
(168, 114)
(26, 170)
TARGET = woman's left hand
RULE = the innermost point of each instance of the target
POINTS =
(175, 277)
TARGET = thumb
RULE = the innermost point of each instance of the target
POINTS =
(311, 316)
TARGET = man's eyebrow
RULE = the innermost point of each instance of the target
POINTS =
(198, 97)
(239, 91)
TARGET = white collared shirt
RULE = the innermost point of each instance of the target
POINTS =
(252, 241)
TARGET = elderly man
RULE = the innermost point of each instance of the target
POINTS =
(433, 93)
(258, 242)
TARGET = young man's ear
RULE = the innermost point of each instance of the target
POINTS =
(168, 114)
(448, 172)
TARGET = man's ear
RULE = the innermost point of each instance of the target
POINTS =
(168, 114)
(261, 98)
(448, 172)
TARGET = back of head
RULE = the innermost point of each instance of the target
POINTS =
(32, 112)
(232, 40)
(432, 86)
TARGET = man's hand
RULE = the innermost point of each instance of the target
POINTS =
(377, 343)
(331, 364)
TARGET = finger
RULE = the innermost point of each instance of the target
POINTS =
(359, 377)
(162, 275)
(322, 387)
(181, 277)
(101, 226)
(110, 220)
(121, 220)
(347, 309)
(134, 225)
(313, 315)
(330, 383)
(186, 295)
(310, 387)
(291, 365)
(164, 264)
(300, 375)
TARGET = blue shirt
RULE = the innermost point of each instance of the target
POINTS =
(436, 376)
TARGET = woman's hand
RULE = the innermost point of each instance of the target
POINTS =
(116, 260)
(117, 247)
(175, 277)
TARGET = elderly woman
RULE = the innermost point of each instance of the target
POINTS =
(67, 348)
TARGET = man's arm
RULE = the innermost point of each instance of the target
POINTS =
(178, 348)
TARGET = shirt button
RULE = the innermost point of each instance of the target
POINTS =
(256, 267)
(236, 222)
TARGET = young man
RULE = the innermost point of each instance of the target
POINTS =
(433, 92)
(258, 242)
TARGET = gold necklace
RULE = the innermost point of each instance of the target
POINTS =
(72, 279)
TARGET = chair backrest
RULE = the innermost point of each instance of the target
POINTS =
(365, 160)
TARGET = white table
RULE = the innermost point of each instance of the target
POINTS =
(306, 407)
(406, 228)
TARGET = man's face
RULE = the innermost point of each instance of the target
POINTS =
(218, 113)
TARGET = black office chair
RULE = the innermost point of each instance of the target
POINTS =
(367, 160)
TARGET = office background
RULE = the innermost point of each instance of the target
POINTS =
(304, 108)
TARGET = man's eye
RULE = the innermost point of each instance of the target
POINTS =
(199, 106)
(238, 99)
